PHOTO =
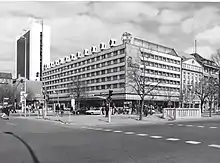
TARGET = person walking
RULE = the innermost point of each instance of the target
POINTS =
(57, 111)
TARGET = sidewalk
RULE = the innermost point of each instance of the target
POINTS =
(116, 120)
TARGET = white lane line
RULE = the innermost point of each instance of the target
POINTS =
(172, 139)
(142, 134)
(170, 124)
(117, 131)
(189, 125)
(97, 129)
(180, 125)
(156, 137)
(214, 146)
(200, 126)
(192, 142)
(9, 123)
(129, 133)
(213, 127)
(107, 130)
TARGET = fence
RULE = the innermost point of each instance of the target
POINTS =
(180, 113)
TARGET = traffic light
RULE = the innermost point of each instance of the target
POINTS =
(37, 74)
(110, 93)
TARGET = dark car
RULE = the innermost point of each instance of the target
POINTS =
(79, 111)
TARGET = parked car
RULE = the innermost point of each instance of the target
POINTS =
(79, 111)
(95, 111)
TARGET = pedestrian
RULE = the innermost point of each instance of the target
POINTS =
(6, 112)
(57, 111)
(62, 110)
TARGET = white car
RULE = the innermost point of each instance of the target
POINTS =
(96, 111)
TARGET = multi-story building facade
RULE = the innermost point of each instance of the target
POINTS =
(192, 72)
(107, 68)
(32, 46)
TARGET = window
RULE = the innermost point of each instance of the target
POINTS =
(103, 87)
(103, 72)
(115, 53)
(122, 68)
(103, 79)
(97, 80)
(109, 63)
(93, 74)
(122, 85)
(109, 55)
(103, 64)
(103, 56)
(115, 69)
(122, 51)
(122, 76)
(98, 65)
(115, 61)
(109, 78)
(122, 59)
(115, 77)
(115, 85)
(93, 60)
(156, 57)
(97, 72)
(93, 67)
(109, 71)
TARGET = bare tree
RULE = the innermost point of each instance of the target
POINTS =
(202, 91)
(216, 58)
(138, 82)
(213, 92)
(78, 90)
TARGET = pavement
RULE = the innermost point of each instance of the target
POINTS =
(116, 120)
(38, 141)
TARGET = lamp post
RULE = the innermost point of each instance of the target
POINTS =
(25, 71)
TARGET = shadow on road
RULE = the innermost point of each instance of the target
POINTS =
(34, 157)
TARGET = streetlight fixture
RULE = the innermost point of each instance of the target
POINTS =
(25, 71)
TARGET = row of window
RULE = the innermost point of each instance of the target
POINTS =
(161, 73)
(160, 58)
(90, 81)
(92, 88)
(91, 60)
(162, 81)
(158, 65)
(192, 67)
(91, 74)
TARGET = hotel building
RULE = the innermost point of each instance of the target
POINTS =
(108, 68)
(35, 44)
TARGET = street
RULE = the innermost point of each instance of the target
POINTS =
(26, 141)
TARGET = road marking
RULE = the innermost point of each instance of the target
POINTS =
(142, 134)
(129, 133)
(98, 129)
(170, 124)
(214, 146)
(200, 126)
(192, 142)
(213, 127)
(180, 125)
(189, 125)
(9, 123)
(172, 139)
(107, 130)
(156, 137)
(117, 131)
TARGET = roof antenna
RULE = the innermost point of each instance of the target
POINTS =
(195, 46)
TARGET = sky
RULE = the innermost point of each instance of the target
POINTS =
(79, 25)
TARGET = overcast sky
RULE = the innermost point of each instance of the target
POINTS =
(79, 25)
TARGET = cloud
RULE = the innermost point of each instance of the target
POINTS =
(171, 16)
(118, 12)
(204, 51)
(200, 20)
(210, 35)
(166, 29)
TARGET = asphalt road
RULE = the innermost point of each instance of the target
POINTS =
(26, 141)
